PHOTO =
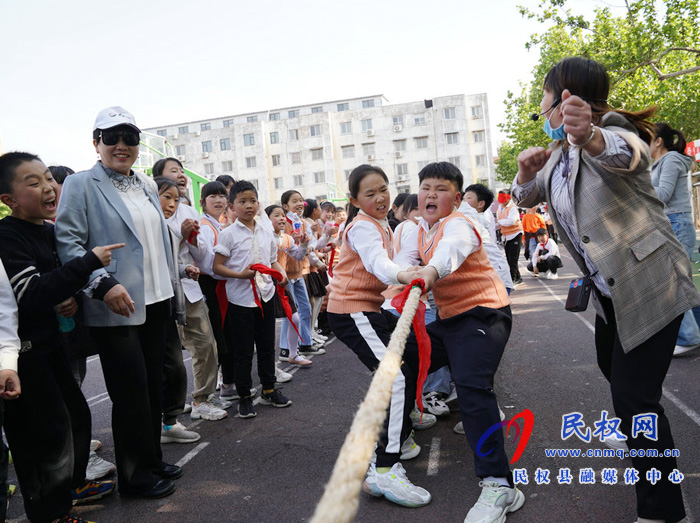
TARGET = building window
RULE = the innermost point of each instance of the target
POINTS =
(422, 164)
(206, 146)
(180, 150)
(402, 169)
(296, 157)
(162, 132)
(366, 104)
(347, 173)
(249, 139)
(318, 109)
(250, 162)
(317, 154)
(476, 111)
(320, 177)
(315, 130)
(276, 160)
(483, 181)
(279, 183)
(256, 184)
(478, 136)
(452, 138)
(367, 125)
(208, 168)
(228, 123)
(274, 137)
(419, 120)
(399, 145)
(225, 144)
(421, 142)
(348, 151)
(321, 197)
(205, 126)
(397, 120)
(346, 128)
(298, 180)
(182, 130)
(274, 116)
(480, 160)
(454, 160)
(293, 113)
(344, 107)
(293, 135)
(368, 149)
(449, 113)
(227, 166)
(251, 119)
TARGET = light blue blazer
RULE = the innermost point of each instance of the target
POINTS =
(91, 213)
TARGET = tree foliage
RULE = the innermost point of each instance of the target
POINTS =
(651, 51)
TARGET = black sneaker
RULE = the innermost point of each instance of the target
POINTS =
(246, 409)
(275, 398)
(310, 350)
(284, 355)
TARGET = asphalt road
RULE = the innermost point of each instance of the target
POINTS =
(274, 467)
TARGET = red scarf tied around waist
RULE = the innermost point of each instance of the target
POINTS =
(277, 276)
(424, 347)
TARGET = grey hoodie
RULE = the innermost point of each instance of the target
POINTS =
(669, 176)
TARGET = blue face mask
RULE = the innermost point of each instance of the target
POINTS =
(555, 134)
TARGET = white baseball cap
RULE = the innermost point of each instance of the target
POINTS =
(114, 116)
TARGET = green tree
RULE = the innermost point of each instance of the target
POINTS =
(652, 53)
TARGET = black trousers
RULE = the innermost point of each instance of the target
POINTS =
(636, 380)
(174, 377)
(222, 334)
(512, 248)
(3, 467)
(132, 364)
(474, 342)
(253, 329)
(48, 429)
(367, 334)
(550, 264)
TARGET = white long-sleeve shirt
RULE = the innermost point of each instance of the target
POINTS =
(512, 219)
(551, 247)
(205, 259)
(364, 239)
(186, 251)
(9, 340)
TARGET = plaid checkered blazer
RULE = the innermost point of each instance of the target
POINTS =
(627, 235)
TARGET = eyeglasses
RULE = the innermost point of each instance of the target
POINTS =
(112, 138)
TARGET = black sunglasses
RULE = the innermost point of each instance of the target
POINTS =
(112, 138)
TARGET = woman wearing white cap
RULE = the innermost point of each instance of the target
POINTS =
(127, 302)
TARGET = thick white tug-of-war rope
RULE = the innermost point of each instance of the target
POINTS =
(340, 500)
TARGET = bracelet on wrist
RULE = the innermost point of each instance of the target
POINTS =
(579, 145)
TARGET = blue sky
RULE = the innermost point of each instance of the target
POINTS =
(174, 61)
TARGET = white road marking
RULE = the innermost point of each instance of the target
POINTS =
(192, 453)
(434, 456)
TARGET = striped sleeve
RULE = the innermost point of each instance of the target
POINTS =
(617, 152)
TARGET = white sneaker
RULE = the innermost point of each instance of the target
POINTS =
(177, 434)
(187, 409)
(426, 422)
(433, 403)
(494, 503)
(98, 468)
(95, 444)
(281, 376)
(410, 449)
(320, 336)
(395, 486)
(459, 428)
(317, 344)
(615, 444)
(206, 410)
(219, 402)
(682, 349)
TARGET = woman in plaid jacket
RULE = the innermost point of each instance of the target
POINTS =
(595, 178)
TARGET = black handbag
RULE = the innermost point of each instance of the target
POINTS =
(579, 293)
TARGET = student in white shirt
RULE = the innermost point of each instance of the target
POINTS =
(546, 255)
(251, 311)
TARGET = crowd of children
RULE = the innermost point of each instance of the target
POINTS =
(231, 272)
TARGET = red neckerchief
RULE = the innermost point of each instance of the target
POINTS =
(424, 346)
(330, 263)
(276, 275)
(222, 300)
